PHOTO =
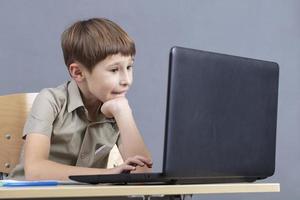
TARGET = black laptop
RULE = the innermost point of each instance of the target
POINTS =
(220, 121)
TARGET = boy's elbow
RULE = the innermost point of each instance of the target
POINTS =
(31, 177)
(32, 172)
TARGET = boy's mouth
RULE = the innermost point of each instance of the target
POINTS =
(120, 93)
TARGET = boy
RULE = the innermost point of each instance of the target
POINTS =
(72, 128)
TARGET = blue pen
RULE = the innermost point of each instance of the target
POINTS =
(10, 183)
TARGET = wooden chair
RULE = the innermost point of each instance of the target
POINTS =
(13, 113)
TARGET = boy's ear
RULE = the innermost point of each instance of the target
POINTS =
(76, 71)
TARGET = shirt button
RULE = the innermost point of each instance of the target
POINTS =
(83, 155)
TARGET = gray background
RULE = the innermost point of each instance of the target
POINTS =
(31, 58)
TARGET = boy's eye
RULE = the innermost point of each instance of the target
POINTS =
(129, 67)
(114, 70)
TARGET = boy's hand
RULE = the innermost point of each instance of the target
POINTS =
(115, 106)
(131, 163)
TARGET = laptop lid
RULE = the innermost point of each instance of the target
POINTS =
(221, 116)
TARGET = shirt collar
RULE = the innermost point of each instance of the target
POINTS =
(74, 97)
(75, 101)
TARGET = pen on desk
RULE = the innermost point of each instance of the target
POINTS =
(28, 183)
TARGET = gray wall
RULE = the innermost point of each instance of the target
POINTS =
(31, 57)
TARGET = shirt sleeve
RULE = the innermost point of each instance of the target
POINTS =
(42, 115)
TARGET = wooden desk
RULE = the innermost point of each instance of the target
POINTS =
(77, 191)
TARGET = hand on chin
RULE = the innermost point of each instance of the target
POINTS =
(112, 107)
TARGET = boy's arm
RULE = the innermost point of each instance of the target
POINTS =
(38, 167)
(132, 143)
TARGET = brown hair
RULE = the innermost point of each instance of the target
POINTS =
(91, 41)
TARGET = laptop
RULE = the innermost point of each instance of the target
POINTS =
(220, 122)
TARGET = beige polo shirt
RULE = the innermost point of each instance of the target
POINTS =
(59, 113)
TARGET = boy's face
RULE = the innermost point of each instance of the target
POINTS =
(110, 78)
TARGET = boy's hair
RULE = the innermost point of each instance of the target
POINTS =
(91, 41)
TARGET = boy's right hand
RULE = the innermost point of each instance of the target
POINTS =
(115, 106)
(131, 163)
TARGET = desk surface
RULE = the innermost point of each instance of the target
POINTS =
(131, 190)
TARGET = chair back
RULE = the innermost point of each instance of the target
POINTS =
(14, 109)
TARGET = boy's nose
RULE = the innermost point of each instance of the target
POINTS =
(125, 79)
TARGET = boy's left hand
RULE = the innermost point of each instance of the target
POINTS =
(113, 107)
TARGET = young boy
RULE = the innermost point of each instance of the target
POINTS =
(72, 128)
